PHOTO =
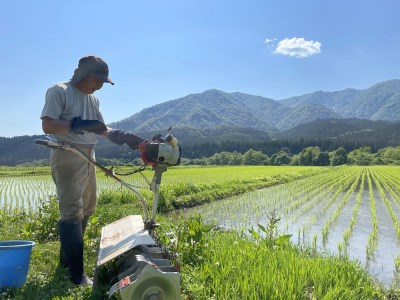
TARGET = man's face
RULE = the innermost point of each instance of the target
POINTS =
(90, 84)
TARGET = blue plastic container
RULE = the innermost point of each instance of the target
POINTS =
(14, 262)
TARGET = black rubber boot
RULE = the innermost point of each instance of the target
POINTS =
(71, 237)
(63, 263)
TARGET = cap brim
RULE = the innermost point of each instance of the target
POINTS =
(104, 78)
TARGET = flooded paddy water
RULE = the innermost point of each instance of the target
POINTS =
(29, 191)
(351, 212)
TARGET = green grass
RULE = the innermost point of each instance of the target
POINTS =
(215, 264)
(235, 267)
(185, 187)
(18, 171)
(210, 174)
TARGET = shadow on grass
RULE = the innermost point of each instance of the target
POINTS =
(46, 286)
(45, 279)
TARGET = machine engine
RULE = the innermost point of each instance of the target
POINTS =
(161, 151)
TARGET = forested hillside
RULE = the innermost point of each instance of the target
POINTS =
(214, 121)
(328, 135)
(214, 108)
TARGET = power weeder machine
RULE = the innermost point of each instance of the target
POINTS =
(130, 258)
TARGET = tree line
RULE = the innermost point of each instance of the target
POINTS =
(301, 151)
(309, 156)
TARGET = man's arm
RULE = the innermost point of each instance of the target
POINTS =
(120, 137)
(76, 125)
(52, 126)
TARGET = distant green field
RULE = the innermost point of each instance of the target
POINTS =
(25, 187)
(231, 173)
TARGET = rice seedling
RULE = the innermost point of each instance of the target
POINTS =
(339, 208)
(353, 220)
(388, 204)
(373, 238)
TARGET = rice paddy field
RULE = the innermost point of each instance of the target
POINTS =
(348, 212)
(25, 188)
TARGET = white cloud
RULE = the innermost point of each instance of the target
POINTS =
(267, 41)
(270, 43)
(297, 47)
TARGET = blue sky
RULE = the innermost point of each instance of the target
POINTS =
(163, 50)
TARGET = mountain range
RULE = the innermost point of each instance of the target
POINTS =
(218, 109)
(215, 121)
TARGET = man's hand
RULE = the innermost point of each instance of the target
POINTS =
(78, 126)
(120, 137)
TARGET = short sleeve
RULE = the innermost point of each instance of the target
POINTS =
(54, 103)
(100, 116)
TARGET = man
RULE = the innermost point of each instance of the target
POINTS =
(71, 114)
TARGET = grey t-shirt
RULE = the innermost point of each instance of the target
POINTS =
(63, 102)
